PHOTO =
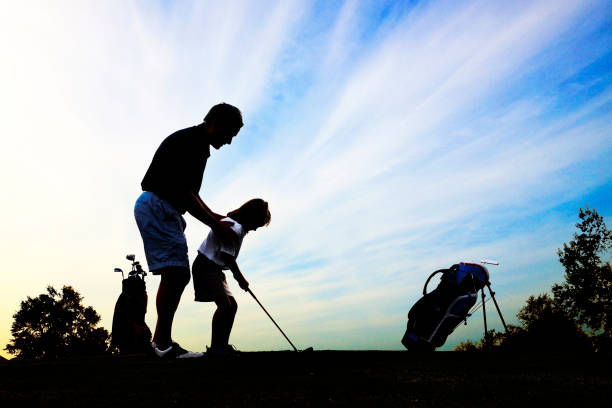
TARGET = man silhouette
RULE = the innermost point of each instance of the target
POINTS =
(170, 188)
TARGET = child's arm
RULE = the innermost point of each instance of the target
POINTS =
(231, 262)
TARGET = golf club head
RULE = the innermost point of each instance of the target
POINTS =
(308, 350)
(119, 270)
(131, 257)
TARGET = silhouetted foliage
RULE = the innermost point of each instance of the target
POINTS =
(584, 300)
(492, 341)
(544, 327)
(56, 325)
(586, 293)
(468, 345)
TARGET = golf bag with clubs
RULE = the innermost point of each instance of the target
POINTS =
(130, 332)
(438, 313)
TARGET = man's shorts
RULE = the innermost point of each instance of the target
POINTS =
(162, 230)
(208, 280)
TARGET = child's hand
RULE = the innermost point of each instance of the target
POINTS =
(243, 283)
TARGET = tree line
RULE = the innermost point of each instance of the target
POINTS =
(575, 315)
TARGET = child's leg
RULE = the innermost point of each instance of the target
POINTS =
(223, 320)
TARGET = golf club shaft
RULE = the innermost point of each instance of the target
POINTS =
(264, 309)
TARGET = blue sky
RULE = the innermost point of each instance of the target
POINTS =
(390, 138)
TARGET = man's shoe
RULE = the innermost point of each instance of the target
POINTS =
(176, 351)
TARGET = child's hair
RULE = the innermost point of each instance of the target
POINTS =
(254, 213)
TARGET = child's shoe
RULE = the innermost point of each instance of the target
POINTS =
(225, 351)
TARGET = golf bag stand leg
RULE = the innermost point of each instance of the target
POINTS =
(484, 315)
(496, 306)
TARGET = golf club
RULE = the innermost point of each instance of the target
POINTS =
(119, 270)
(277, 326)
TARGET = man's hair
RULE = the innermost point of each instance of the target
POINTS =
(254, 212)
(225, 117)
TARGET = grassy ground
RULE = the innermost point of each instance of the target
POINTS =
(322, 378)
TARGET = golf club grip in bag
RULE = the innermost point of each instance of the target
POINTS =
(436, 315)
(130, 332)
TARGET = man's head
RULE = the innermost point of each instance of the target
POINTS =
(223, 122)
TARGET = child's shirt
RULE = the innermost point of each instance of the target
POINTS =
(213, 246)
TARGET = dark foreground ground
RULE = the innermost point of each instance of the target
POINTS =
(322, 378)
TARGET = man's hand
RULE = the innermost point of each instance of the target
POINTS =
(224, 231)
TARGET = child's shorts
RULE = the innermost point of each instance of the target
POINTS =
(208, 280)
(162, 230)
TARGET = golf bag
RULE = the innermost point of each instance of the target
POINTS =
(438, 313)
(130, 332)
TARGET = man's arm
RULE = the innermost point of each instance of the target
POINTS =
(199, 209)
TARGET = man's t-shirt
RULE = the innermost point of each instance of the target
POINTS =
(177, 167)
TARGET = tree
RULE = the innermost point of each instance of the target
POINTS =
(583, 300)
(586, 293)
(543, 327)
(56, 325)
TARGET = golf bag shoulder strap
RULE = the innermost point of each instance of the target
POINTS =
(443, 272)
(431, 276)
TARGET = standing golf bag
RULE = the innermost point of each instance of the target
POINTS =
(436, 315)
(130, 332)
